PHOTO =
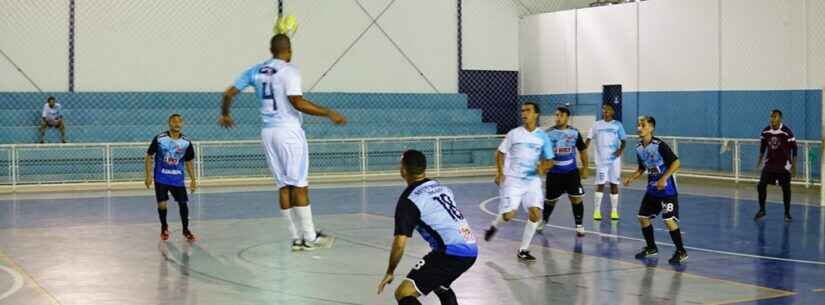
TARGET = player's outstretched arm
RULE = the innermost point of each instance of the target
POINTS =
(308, 107)
(147, 162)
(545, 165)
(225, 120)
(193, 180)
(499, 167)
(585, 171)
(398, 245)
(638, 173)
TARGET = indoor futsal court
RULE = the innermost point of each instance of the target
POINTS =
(474, 152)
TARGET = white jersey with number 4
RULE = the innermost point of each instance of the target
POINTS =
(607, 137)
(274, 80)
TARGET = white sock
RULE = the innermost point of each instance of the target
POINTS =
(527, 236)
(614, 202)
(304, 215)
(498, 221)
(290, 224)
(597, 201)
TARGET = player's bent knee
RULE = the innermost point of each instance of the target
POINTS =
(508, 216)
(534, 214)
(406, 289)
(162, 205)
(671, 224)
(644, 221)
(446, 296)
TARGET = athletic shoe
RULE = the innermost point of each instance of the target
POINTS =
(579, 230)
(614, 215)
(164, 234)
(189, 236)
(788, 218)
(680, 256)
(296, 245)
(597, 215)
(489, 233)
(524, 256)
(321, 241)
(759, 215)
(647, 252)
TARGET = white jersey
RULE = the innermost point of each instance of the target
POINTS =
(274, 80)
(523, 150)
(607, 137)
(50, 113)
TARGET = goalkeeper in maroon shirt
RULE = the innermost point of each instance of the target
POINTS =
(777, 157)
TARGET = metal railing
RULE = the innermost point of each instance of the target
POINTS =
(107, 163)
(731, 159)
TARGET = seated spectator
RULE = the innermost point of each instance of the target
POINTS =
(52, 117)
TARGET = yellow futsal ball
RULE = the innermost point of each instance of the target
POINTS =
(286, 25)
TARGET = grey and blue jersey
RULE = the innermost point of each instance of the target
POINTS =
(655, 158)
(428, 207)
(170, 155)
(565, 143)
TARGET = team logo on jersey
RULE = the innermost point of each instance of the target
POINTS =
(564, 150)
(774, 142)
(170, 159)
(267, 71)
(466, 233)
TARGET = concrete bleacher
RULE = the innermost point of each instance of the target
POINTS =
(104, 117)
(135, 117)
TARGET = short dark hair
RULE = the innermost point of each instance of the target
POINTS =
(609, 104)
(174, 115)
(414, 162)
(649, 119)
(564, 110)
(279, 43)
(777, 111)
(535, 106)
(51, 98)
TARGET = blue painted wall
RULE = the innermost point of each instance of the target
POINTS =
(732, 114)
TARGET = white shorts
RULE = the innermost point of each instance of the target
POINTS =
(610, 172)
(287, 155)
(515, 191)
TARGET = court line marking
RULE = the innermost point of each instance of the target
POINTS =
(483, 207)
(18, 282)
(778, 293)
(22, 273)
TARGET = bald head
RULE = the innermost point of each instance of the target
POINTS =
(281, 47)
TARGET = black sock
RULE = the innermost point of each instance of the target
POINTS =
(762, 188)
(548, 209)
(409, 300)
(786, 197)
(578, 212)
(184, 215)
(162, 216)
(676, 236)
(446, 296)
(648, 233)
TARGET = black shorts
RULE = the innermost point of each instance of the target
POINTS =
(775, 178)
(558, 184)
(438, 270)
(652, 206)
(178, 192)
